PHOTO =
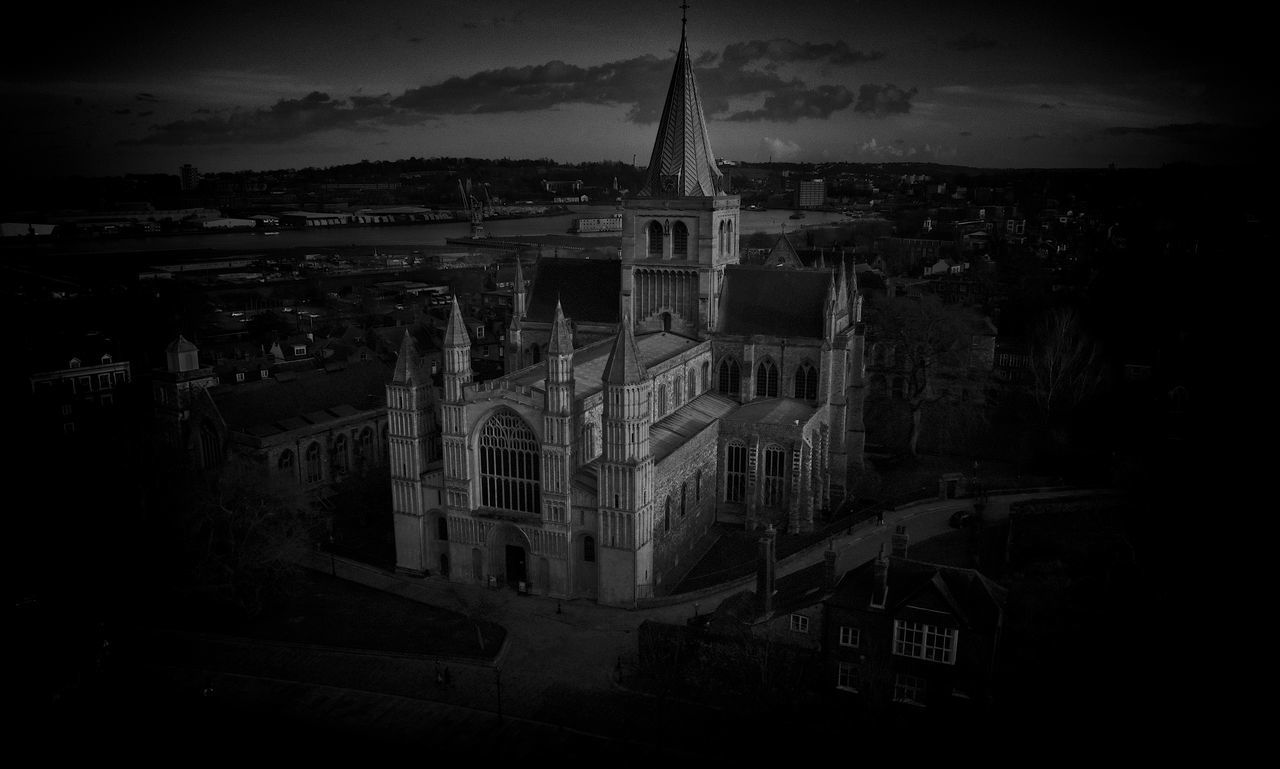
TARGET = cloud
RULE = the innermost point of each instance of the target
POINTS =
(795, 103)
(147, 97)
(1045, 106)
(779, 149)
(1031, 137)
(286, 120)
(1188, 133)
(970, 42)
(881, 100)
(779, 51)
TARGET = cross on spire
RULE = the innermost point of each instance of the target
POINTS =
(684, 8)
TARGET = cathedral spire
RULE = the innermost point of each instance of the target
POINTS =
(623, 365)
(682, 164)
(561, 342)
(407, 362)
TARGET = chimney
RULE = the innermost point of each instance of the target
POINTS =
(899, 541)
(880, 585)
(765, 571)
(829, 567)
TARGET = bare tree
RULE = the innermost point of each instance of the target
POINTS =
(1066, 363)
(930, 339)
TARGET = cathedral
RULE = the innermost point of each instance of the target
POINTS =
(646, 398)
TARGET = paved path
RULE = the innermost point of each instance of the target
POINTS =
(555, 677)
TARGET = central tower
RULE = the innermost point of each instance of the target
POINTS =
(681, 229)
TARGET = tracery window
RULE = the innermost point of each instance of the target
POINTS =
(806, 385)
(775, 460)
(313, 463)
(679, 241)
(286, 460)
(766, 380)
(510, 472)
(735, 473)
(730, 376)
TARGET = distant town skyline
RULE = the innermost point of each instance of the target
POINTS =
(992, 84)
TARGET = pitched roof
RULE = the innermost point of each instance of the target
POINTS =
(407, 362)
(682, 152)
(973, 599)
(783, 254)
(588, 289)
(274, 405)
(774, 301)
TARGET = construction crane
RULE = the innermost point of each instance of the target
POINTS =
(474, 212)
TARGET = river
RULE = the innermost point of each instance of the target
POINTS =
(409, 235)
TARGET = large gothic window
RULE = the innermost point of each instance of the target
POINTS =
(286, 461)
(680, 241)
(775, 461)
(806, 382)
(729, 377)
(655, 239)
(677, 391)
(509, 464)
(364, 446)
(735, 473)
(766, 380)
(662, 400)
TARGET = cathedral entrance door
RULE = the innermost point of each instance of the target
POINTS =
(516, 570)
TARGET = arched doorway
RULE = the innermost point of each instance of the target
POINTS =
(509, 552)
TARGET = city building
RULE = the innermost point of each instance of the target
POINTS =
(676, 388)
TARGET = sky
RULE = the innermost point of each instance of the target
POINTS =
(238, 86)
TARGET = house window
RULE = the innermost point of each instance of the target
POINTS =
(850, 636)
(262, 374)
(799, 623)
(775, 462)
(239, 376)
(766, 380)
(908, 689)
(925, 642)
(104, 381)
(735, 473)
(106, 358)
(66, 409)
(729, 377)
(299, 350)
(847, 677)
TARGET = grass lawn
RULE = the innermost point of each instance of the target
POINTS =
(328, 611)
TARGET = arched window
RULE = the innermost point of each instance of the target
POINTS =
(589, 549)
(677, 392)
(679, 241)
(340, 454)
(693, 384)
(666, 516)
(286, 460)
(735, 472)
(662, 400)
(806, 382)
(728, 245)
(509, 464)
(766, 380)
(705, 382)
(729, 377)
(775, 460)
(655, 239)
(697, 486)
(684, 493)
(313, 463)
(364, 446)
(442, 529)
